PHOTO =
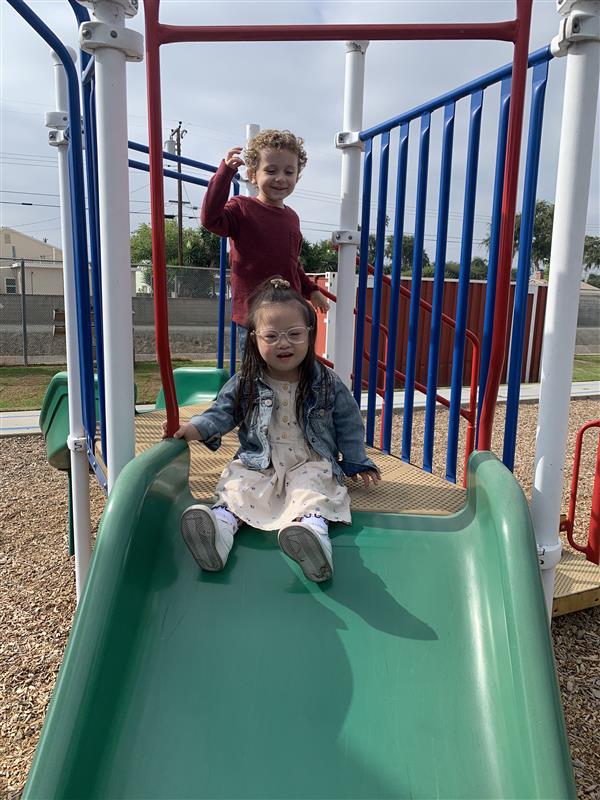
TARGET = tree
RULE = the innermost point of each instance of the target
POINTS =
(479, 268)
(319, 256)
(594, 280)
(541, 242)
(200, 249)
(591, 256)
(408, 247)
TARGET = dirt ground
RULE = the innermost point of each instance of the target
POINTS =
(37, 597)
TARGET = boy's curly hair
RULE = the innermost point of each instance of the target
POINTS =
(272, 139)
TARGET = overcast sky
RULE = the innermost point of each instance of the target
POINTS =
(215, 89)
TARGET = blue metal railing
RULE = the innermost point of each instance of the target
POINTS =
(390, 373)
(76, 183)
(463, 282)
(363, 270)
(540, 78)
(384, 160)
(492, 271)
(438, 284)
(415, 294)
(475, 90)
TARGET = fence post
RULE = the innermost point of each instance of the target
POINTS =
(24, 314)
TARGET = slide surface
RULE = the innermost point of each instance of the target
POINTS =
(424, 669)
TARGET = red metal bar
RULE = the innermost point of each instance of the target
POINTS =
(500, 31)
(507, 226)
(159, 268)
(592, 549)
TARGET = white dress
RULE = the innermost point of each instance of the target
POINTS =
(299, 480)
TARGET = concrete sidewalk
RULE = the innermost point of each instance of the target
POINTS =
(25, 423)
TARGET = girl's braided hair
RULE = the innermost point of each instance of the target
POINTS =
(277, 290)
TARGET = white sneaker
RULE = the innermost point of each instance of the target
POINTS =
(208, 539)
(310, 547)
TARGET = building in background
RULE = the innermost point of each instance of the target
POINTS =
(14, 244)
(43, 264)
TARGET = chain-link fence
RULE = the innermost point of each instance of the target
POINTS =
(32, 329)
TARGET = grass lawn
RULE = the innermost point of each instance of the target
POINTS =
(586, 368)
(23, 388)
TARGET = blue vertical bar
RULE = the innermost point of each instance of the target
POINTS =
(91, 163)
(415, 292)
(91, 159)
(536, 116)
(91, 169)
(384, 160)
(390, 376)
(463, 283)
(363, 271)
(438, 284)
(490, 290)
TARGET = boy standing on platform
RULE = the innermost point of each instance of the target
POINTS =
(265, 237)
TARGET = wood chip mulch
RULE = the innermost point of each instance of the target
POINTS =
(37, 598)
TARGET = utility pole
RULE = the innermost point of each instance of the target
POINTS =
(179, 133)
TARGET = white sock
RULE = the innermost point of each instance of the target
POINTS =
(226, 518)
(318, 524)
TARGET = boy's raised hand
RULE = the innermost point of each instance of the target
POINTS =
(187, 431)
(367, 477)
(233, 158)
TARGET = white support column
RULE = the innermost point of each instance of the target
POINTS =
(112, 45)
(347, 237)
(579, 37)
(331, 278)
(250, 189)
(80, 487)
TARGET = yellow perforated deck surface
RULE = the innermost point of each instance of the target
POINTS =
(577, 584)
(404, 489)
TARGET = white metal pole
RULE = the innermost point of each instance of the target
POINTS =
(252, 129)
(80, 487)
(347, 236)
(560, 327)
(112, 44)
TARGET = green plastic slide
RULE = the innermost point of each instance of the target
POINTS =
(424, 669)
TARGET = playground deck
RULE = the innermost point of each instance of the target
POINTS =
(405, 489)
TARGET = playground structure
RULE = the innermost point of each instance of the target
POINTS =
(505, 594)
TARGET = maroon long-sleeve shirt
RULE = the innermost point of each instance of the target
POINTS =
(264, 241)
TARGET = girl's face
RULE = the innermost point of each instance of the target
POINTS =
(276, 176)
(282, 353)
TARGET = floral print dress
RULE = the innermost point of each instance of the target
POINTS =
(299, 480)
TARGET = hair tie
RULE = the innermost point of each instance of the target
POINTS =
(280, 283)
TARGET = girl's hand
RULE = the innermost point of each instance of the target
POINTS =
(233, 158)
(319, 301)
(188, 432)
(368, 476)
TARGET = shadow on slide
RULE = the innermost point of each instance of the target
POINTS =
(423, 669)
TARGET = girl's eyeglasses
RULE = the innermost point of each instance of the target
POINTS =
(296, 335)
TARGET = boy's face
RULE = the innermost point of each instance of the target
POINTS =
(276, 176)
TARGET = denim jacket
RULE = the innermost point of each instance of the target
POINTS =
(332, 425)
